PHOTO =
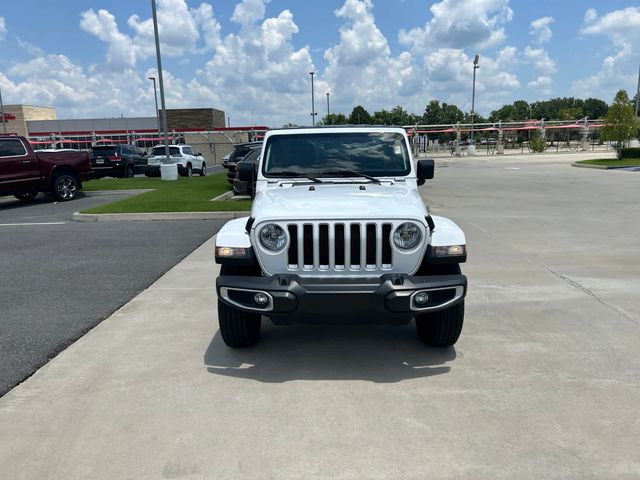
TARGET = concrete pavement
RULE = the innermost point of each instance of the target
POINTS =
(544, 382)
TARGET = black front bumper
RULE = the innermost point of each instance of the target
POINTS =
(387, 299)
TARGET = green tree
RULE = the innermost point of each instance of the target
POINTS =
(595, 108)
(570, 113)
(620, 121)
(359, 116)
(334, 119)
(432, 113)
(381, 117)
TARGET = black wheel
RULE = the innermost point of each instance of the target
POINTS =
(64, 187)
(238, 329)
(441, 329)
(26, 196)
(128, 172)
(203, 170)
(189, 171)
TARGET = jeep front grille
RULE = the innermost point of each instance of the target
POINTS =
(354, 246)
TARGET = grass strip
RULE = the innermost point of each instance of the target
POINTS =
(608, 162)
(187, 194)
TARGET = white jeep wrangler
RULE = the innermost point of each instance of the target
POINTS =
(339, 233)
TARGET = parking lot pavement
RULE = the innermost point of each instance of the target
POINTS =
(542, 384)
(61, 278)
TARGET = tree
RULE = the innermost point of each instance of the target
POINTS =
(381, 117)
(432, 113)
(570, 113)
(595, 108)
(620, 121)
(359, 116)
(334, 119)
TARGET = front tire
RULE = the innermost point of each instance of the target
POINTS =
(26, 196)
(203, 170)
(238, 329)
(128, 172)
(65, 187)
(441, 329)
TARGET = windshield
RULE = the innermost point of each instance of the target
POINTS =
(379, 154)
(160, 151)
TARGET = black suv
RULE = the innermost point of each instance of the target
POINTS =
(117, 161)
(239, 152)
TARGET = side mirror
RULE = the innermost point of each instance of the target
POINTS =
(247, 171)
(425, 169)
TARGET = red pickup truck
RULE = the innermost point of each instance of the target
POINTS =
(24, 173)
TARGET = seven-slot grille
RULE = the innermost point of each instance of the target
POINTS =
(354, 246)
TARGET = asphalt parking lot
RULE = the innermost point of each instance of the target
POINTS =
(543, 383)
(61, 278)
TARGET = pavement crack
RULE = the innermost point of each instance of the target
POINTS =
(584, 289)
(533, 259)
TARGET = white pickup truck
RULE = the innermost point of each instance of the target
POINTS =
(339, 233)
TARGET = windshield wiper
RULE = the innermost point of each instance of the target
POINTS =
(349, 173)
(291, 173)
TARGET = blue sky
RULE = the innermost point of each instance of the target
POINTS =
(251, 58)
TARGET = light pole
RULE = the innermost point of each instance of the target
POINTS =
(473, 94)
(327, 105)
(4, 120)
(638, 93)
(164, 109)
(155, 94)
(313, 105)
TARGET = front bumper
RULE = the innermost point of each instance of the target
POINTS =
(388, 299)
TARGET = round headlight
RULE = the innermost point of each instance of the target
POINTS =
(407, 236)
(272, 237)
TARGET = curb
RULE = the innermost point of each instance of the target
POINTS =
(598, 167)
(146, 217)
(224, 196)
(100, 193)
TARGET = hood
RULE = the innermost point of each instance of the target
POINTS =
(338, 201)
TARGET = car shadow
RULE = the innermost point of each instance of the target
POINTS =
(9, 202)
(380, 354)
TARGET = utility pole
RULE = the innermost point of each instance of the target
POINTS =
(155, 94)
(638, 92)
(4, 120)
(162, 102)
(473, 93)
(327, 105)
(313, 107)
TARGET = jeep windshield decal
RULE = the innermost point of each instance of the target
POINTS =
(365, 154)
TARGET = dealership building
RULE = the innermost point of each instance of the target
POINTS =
(202, 128)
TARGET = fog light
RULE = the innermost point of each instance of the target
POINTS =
(261, 298)
(421, 298)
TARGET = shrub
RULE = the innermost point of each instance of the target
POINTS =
(537, 143)
(629, 153)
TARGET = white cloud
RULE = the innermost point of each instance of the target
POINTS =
(540, 29)
(3, 28)
(461, 23)
(361, 68)
(542, 85)
(540, 60)
(618, 70)
(121, 54)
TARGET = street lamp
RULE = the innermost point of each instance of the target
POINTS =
(155, 94)
(4, 120)
(638, 93)
(327, 106)
(162, 102)
(473, 93)
(313, 107)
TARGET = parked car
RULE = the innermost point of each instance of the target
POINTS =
(241, 187)
(239, 151)
(188, 160)
(24, 173)
(233, 167)
(118, 160)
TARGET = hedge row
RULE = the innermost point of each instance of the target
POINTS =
(630, 152)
